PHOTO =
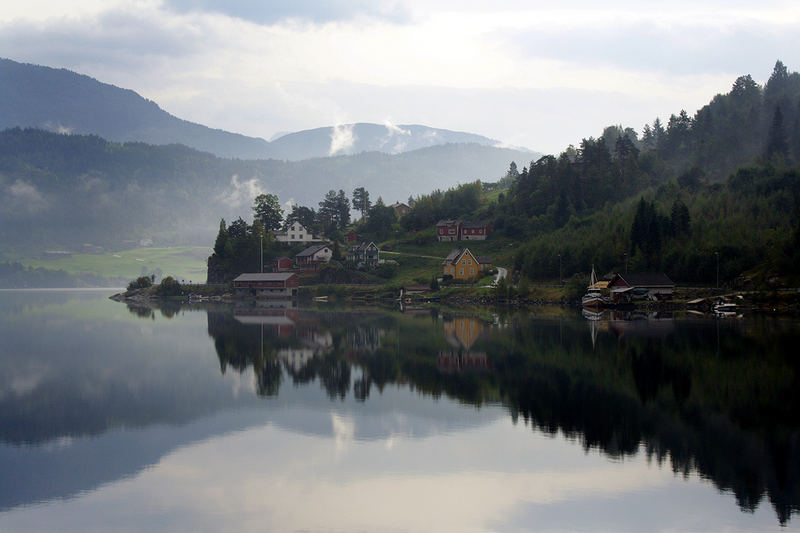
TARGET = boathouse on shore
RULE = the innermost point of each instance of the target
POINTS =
(266, 285)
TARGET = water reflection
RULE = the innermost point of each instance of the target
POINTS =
(718, 399)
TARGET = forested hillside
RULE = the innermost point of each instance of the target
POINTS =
(717, 188)
(68, 190)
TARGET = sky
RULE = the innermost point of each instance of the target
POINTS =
(541, 75)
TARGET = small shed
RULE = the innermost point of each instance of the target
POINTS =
(282, 264)
(266, 285)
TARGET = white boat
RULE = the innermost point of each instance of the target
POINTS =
(596, 293)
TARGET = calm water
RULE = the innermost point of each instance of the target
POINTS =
(256, 419)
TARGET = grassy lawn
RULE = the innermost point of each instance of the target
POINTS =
(181, 262)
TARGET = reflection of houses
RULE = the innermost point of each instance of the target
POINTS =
(653, 286)
(281, 321)
(295, 233)
(312, 257)
(450, 362)
(462, 331)
(365, 339)
(364, 254)
(266, 285)
(462, 264)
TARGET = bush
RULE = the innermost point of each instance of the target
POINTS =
(141, 282)
(386, 270)
(169, 287)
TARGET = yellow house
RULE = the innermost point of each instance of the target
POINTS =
(464, 265)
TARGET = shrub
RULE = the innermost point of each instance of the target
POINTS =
(169, 287)
(141, 282)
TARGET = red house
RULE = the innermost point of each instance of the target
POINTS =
(267, 285)
(351, 236)
(448, 230)
(475, 231)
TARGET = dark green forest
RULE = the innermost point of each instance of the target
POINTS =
(717, 190)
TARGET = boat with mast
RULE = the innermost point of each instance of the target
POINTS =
(595, 296)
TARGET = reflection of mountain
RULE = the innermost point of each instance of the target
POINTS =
(719, 399)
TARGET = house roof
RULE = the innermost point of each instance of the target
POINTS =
(448, 223)
(646, 279)
(471, 225)
(266, 276)
(452, 256)
(456, 255)
(484, 260)
(311, 250)
(362, 246)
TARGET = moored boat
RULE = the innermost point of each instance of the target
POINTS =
(596, 294)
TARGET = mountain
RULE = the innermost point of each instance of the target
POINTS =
(66, 102)
(62, 101)
(357, 138)
(66, 190)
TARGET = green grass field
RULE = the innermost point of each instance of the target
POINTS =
(181, 262)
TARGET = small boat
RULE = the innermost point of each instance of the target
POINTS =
(594, 297)
(724, 308)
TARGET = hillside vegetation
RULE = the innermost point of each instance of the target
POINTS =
(714, 192)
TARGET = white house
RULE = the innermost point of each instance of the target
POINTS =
(296, 233)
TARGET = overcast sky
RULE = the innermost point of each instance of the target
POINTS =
(537, 74)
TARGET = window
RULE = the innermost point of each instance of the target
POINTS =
(462, 272)
(469, 261)
(471, 271)
(292, 236)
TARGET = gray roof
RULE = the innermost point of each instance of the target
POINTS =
(266, 276)
(484, 260)
(448, 222)
(311, 250)
(453, 256)
(470, 225)
(647, 279)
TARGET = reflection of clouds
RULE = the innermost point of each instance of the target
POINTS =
(344, 430)
(266, 479)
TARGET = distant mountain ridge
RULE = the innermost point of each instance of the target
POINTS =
(66, 190)
(63, 101)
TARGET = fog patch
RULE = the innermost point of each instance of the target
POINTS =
(342, 139)
(57, 127)
(394, 135)
(241, 193)
(22, 198)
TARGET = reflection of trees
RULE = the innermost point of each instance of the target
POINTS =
(723, 404)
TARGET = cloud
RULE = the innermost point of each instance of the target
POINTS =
(312, 10)
(23, 198)
(241, 193)
(342, 139)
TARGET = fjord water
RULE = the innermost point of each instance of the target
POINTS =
(267, 419)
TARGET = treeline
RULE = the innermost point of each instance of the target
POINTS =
(662, 201)
(14, 275)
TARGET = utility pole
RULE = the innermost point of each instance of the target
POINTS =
(262, 253)
(717, 254)
(560, 277)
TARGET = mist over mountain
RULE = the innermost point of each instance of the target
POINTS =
(351, 139)
(63, 101)
(68, 190)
